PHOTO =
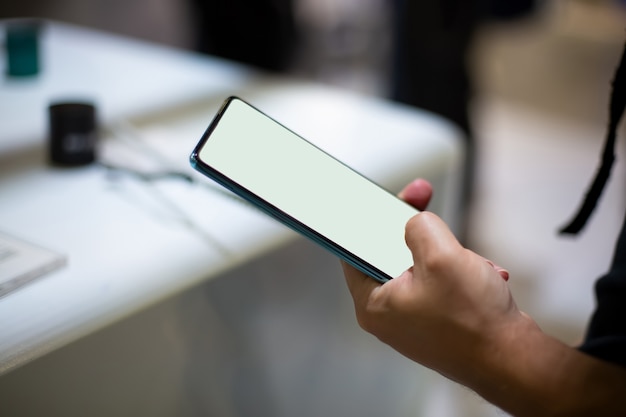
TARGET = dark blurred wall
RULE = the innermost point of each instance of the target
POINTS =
(162, 21)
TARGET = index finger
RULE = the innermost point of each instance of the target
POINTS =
(417, 193)
(359, 284)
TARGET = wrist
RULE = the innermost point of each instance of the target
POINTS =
(516, 368)
(515, 360)
(529, 373)
(501, 361)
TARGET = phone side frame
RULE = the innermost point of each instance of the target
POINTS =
(274, 211)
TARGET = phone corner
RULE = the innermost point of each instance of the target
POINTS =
(193, 159)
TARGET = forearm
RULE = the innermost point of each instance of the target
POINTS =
(528, 373)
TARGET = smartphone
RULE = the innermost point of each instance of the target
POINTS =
(305, 188)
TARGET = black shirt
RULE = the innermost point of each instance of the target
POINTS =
(606, 334)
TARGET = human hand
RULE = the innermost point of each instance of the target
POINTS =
(448, 310)
(453, 312)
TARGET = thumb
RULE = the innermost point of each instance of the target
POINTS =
(427, 235)
(431, 241)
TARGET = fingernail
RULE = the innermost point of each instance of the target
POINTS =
(504, 274)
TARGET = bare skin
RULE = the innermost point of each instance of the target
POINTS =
(453, 312)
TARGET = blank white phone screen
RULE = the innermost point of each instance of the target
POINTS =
(309, 185)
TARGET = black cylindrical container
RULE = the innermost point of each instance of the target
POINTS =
(73, 133)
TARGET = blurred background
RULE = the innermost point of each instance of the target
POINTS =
(528, 81)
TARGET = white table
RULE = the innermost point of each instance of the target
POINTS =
(131, 245)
